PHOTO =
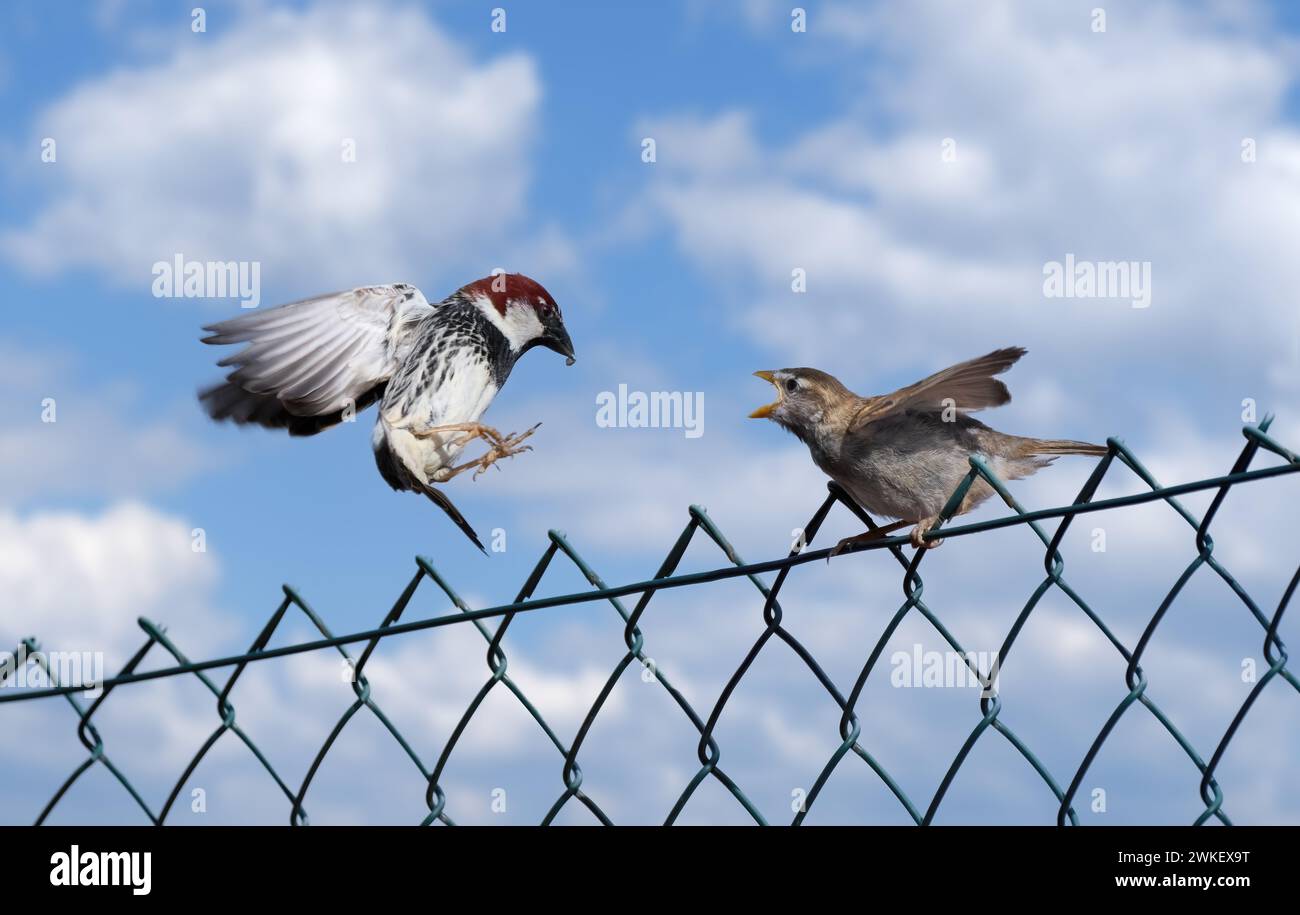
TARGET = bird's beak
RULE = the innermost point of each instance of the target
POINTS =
(558, 340)
(763, 411)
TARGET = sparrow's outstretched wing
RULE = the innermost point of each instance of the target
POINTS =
(966, 386)
(307, 362)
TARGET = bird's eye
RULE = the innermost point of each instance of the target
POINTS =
(791, 385)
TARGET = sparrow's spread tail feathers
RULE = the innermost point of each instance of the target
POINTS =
(228, 400)
(1036, 447)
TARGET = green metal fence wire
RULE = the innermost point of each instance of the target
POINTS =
(492, 624)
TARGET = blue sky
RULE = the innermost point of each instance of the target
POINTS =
(820, 151)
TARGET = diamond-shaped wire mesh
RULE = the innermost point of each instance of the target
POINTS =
(709, 751)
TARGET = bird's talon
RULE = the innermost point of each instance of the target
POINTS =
(508, 447)
(918, 535)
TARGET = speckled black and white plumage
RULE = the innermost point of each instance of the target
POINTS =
(312, 364)
(456, 361)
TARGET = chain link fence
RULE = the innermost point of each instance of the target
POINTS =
(493, 623)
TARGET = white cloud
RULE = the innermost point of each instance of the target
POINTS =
(61, 435)
(78, 582)
(232, 149)
(1117, 146)
(425, 684)
(712, 145)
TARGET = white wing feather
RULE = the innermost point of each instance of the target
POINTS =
(320, 355)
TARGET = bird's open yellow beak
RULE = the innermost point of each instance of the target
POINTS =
(763, 411)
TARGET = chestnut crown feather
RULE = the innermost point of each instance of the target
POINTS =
(502, 288)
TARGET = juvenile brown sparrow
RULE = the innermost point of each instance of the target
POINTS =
(902, 455)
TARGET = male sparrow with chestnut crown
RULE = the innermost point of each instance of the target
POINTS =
(903, 454)
(312, 364)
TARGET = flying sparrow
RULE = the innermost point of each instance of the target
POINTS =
(903, 454)
(434, 369)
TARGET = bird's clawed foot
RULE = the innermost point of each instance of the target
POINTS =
(877, 534)
(501, 446)
(507, 446)
(923, 527)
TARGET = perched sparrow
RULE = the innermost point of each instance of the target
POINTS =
(903, 454)
(434, 368)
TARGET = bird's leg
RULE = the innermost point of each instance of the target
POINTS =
(868, 537)
(504, 447)
(922, 527)
(471, 430)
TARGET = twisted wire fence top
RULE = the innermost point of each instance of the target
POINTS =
(492, 624)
